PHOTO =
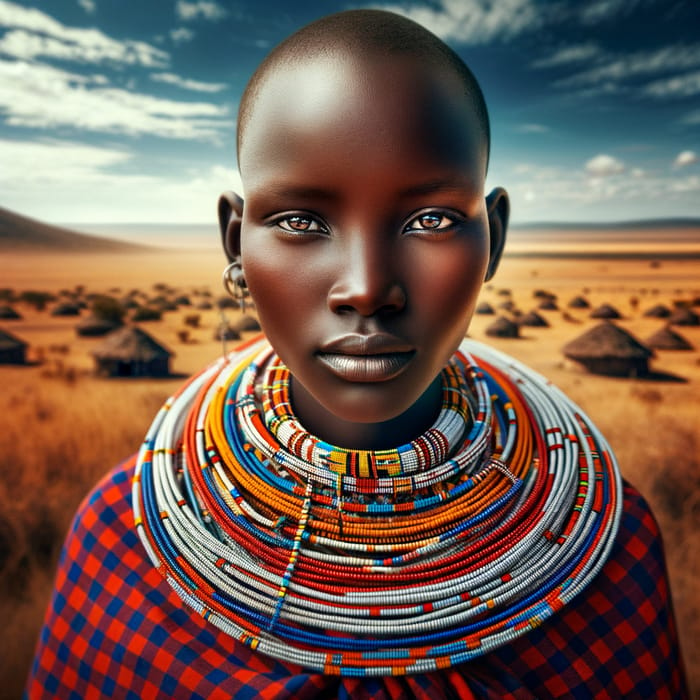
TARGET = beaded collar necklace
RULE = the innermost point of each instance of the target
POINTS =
(376, 563)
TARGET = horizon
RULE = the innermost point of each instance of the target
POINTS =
(131, 113)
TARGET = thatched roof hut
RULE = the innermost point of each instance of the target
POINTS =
(7, 313)
(579, 302)
(608, 349)
(484, 308)
(226, 332)
(605, 311)
(246, 324)
(203, 305)
(503, 328)
(92, 326)
(532, 319)
(548, 304)
(683, 316)
(668, 339)
(508, 305)
(66, 308)
(131, 352)
(658, 311)
(12, 349)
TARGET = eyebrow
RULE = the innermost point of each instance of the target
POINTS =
(300, 192)
(432, 186)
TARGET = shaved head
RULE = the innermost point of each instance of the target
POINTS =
(364, 33)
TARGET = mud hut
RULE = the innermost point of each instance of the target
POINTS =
(131, 352)
(606, 311)
(503, 328)
(579, 302)
(532, 319)
(610, 350)
(226, 332)
(66, 308)
(683, 316)
(12, 349)
(7, 313)
(92, 326)
(484, 308)
(668, 339)
(658, 311)
(246, 324)
(548, 304)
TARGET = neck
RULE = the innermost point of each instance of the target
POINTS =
(399, 430)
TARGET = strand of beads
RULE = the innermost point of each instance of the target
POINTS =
(424, 571)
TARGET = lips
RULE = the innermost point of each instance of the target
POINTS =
(376, 357)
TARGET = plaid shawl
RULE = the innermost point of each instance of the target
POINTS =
(114, 628)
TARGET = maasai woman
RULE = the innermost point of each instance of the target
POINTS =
(362, 504)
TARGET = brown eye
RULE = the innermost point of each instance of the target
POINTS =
(430, 221)
(300, 224)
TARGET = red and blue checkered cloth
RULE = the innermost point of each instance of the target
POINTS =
(115, 629)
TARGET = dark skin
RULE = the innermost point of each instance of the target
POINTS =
(365, 237)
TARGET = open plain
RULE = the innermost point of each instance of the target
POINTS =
(63, 427)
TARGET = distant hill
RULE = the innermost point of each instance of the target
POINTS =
(621, 226)
(23, 234)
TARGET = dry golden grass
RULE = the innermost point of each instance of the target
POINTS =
(63, 427)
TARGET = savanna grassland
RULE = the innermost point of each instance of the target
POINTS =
(63, 427)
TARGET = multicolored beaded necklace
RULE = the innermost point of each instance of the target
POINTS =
(376, 563)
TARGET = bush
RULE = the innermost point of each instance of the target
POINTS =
(107, 308)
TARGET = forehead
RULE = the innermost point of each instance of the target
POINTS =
(340, 107)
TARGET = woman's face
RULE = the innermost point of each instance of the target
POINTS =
(365, 233)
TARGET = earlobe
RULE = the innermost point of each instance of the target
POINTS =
(230, 210)
(498, 212)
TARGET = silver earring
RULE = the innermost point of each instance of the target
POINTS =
(234, 283)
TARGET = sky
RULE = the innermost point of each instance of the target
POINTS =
(124, 111)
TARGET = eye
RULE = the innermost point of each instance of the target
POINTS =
(300, 223)
(430, 221)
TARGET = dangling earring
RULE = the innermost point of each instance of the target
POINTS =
(234, 283)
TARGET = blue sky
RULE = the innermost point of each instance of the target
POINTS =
(125, 110)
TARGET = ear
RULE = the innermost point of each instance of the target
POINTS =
(498, 211)
(230, 217)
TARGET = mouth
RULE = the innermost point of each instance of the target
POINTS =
(366, 358)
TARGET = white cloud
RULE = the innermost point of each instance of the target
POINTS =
(88, 5)
(181, 35)
(187, 84)
(474, 21)
(206, 9)
(640, 63)
(75, 183)
(33, 33)
(604, 165)
(678, 86)
(569, 54)
(42, 96)
(685, 158)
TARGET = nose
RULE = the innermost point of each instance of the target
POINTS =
(366, 282)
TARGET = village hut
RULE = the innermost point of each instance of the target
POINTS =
(683, 316)
(532, 319)
(93, 326)
(543, 294)
(508, 305)
(579, 302)
(146, 313)
(66, 308)
(7, 313)
(484, 308)
(608, 349)
(606, 311)
(246, 324)
(658, 311)
(12, 349)
(183, 300)
(548, 304)
(203, 305)
(668, 339)
(131, 352)
(226, 332)
(503, 328)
